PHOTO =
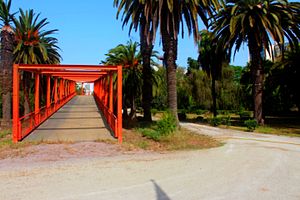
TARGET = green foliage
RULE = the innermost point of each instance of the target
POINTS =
(160, 90)
(215, 121)
(226, 120)
(251, 124)
(150, 133)
(164, 127)
(200, 112)
(33, 45)
(167, 124)
(245, 115)
(154, 111)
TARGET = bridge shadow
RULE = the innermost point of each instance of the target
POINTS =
(160, 193)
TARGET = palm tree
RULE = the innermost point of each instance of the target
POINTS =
(257, 22)
(130, 58)
(33, 45)
(169, 16)
(6, 55)
(209, 50)
(134, 11)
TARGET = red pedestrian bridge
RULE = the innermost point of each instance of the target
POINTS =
(56, 102)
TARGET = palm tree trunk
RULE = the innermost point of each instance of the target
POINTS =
(6, 67)
(170, 57)
(146, 49)
(257, 78)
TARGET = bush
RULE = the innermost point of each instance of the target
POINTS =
(251, 124)
(167, 124)
(226, 120)
(200, 112)
(215, 121)
(164, 127)
(154, 111)
(245, 115)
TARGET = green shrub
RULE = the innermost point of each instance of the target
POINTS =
(154, 111)
(215, 121)
(164, 127)
(200, 112)
(226, 120)
(251, 124)
(245, 115)
(167, 124)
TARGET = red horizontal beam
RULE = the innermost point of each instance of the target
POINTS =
(52, 67)
(58, 73)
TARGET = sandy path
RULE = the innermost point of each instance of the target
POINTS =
(241, 169)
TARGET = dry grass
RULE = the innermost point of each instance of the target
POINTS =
(180, 140)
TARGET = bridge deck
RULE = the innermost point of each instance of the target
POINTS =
(79, 120)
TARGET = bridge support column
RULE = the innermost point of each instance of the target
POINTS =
(48, 100)
(55, 91)
(37, 99)
(111, 93)
(16, 87)
(119, 107)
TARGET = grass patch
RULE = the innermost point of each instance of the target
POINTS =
(276, 125)
(181, 139)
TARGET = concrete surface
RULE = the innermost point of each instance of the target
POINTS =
(244, 168)
(79, 120)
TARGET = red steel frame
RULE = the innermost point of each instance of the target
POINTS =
(107, 96)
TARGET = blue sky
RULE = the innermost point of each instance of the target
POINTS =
(88, 29)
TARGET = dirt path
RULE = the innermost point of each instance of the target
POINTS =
(244, 168)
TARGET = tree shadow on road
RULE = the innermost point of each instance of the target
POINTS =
(160, 193)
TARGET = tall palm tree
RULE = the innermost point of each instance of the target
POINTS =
(211, 58)
(169, 16)
(257, 22)
(33, 45)
(6, 55)
(130, 58)
(133, 12)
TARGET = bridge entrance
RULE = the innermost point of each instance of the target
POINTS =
(59, 89)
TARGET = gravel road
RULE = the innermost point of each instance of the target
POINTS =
(248, 166)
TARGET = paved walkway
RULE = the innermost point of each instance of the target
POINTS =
(79, 120)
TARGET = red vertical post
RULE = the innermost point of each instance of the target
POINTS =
(119, 106)
(107, 91)
(60, 90)
(55, 90)
(111, 92)
(37, 99)
(48, 100)
(16, 86)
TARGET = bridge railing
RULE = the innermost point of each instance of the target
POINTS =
(108, 95)
(111, 119)
(31, 121)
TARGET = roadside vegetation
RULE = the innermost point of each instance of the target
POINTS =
(262, 96)
(163, 135)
